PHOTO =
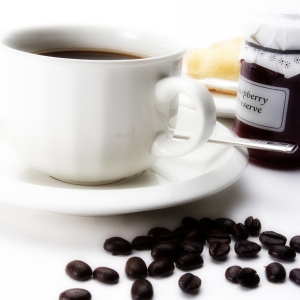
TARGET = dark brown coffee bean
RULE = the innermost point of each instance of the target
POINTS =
(106, 275)
(75, 294)
(218, 236)
(168, 237)
(117, 246)
(247, 277)
(275, 272)
(253, 226)
(143, 242)
(239, 232)
(136, 268)
(195, 234)
(155, 232)
(232, 272)
(226, 223)
(141, 290)
(170, 250)
(181, 231)
(79, 270)
(282, 252)
(295, 243)
(189, 222)
(191, 246)
(295, 275)
(189, 261)
(208, 225)
(161, 267)
(218, 250)
(270, 238)
(189, 283)
(246, 248)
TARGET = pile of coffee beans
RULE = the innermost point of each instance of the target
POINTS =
(81, 271)
(246, 277)
(182, 248)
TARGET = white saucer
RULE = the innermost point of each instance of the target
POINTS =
(169, 182)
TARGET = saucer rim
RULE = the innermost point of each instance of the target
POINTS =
(69, 200)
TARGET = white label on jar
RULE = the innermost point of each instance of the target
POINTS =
(262, 106)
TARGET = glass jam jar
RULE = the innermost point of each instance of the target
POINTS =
(268, 100)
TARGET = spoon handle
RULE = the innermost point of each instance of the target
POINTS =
(241, 142)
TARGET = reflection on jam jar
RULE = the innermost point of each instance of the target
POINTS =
(268, 100)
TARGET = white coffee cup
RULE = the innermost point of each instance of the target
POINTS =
(94, 122)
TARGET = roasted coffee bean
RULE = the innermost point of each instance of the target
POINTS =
(253, 226)
(79, 270)
(168, 237)
(136, 268)
(239, 232)
(106, 275)
(270, 238)
(282, 252)
(117, 246)
(191, 246)
(143, 242)
(275, 272)
(247, 277)
(295, 275)
(246, 248)
(218, 250)
(155, 232)
(161, 267)
(218, 236)
(181, 231)
(170, 250)
(232, 272)
(195, 234)
(141, 290)
(189, 261)
(75, 294)
(295, 243)
(189, 222)
(189, 283)
(208, 225)
(226, 223)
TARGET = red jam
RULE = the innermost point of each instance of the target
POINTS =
(291, 131)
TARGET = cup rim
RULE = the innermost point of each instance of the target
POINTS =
(31, 31)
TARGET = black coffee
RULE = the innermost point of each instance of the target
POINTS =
(90, 54)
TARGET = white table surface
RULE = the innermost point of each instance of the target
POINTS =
(35, 246)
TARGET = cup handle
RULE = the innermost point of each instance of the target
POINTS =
(166, 89)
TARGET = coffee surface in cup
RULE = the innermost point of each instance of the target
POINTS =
(90, 54)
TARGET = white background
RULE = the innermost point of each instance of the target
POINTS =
(35, 246)
(191, 20)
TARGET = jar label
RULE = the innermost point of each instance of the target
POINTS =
(261, 105)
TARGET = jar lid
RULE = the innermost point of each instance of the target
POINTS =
(275, 31)
(272, 41)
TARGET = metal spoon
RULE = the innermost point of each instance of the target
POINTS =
(241, 142)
